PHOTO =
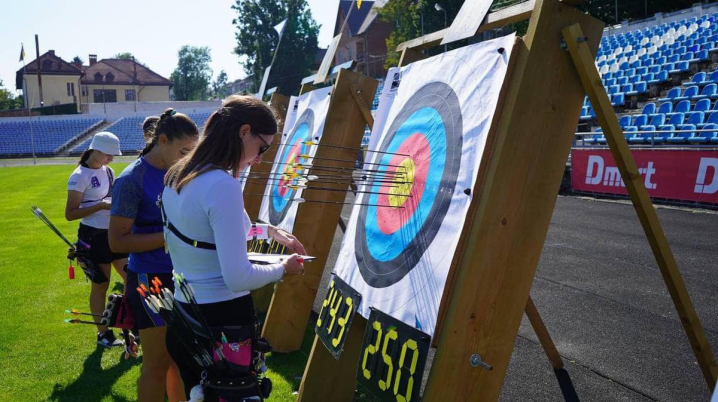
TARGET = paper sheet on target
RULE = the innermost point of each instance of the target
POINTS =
(305, 122)
(425, 152)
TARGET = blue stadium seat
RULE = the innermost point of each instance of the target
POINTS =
(680, 67)
(695, 118)
(649, 108)
(712, 118)
(712, 78)
(688, 94)
(639, 89)
(704, 137)
(624, 121)
(640, 138)
(698, 78)
(48, 134)
(671, 95)
(593, 139)
(680, 138)
(676, 119)
(665, 108)
(702, 105)
(618, 100)
(681, 107)
(656, 120)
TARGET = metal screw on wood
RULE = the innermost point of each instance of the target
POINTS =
(475, 361)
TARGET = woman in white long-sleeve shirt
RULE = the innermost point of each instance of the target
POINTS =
(208, 226)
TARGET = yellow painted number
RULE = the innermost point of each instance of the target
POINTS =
(386, 384)
(371, 350)
(325, 303)
(343, 321)
(333, 308)
(413, 346)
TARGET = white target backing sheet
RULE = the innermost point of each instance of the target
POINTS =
(294, 156)
(419, 180)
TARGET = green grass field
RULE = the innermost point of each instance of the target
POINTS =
(44, 358)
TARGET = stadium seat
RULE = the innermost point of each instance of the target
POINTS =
(709, 91)
(681, 107)
(671, 95)
(638, 89)
(688, 94)
(649, 108)
(712, 78)
(665, 108)
(679, 67)
(682, 137)
(712, 118)
(640, 138)
(704, 137)
(47, 133)
(698, 78)
(695, 118)
(676, 119)
(659, 138)
(618, 100)
(624, 121)
(702, 105)
(656, 120)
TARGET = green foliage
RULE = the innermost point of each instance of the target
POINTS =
(257, 40)
(192, 76)
(77, 60)
(8, 101)
(407, 16)
(219, 89)
(124, 55)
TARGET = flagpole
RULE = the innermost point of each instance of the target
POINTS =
(29, 104)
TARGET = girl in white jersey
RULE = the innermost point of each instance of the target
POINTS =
(89, 196)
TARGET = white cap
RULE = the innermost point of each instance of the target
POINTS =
(106, 142)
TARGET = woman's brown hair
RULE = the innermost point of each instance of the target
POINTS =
(220, 146)
(85, 156)
(171, 124)
(148, 128)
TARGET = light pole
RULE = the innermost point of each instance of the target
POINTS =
(438, 7)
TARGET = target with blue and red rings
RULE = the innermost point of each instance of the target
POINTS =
(281, 194)
(411, 185)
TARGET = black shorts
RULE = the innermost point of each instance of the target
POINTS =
(144, 317)
(99, 250)
(239, 311)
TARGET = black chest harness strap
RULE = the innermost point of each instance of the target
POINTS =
(194, 243)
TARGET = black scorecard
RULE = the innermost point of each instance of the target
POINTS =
(336, 316)
(393, 357)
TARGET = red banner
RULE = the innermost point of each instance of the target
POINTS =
(687, 175)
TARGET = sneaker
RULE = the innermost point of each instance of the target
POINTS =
(108, 339)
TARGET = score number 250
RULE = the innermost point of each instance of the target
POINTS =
(383, 336)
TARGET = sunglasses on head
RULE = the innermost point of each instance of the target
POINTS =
(264, 148)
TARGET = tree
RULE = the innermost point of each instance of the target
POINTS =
(124, 55)
(219, 84)
(8, 101)
(77, 60)
(192, 76)
(257, 40)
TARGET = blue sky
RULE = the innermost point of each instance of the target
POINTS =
(152, 30)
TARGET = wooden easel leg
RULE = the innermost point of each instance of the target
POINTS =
(543, 336)
(328, 379)
(582, 59)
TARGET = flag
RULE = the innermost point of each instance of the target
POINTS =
(280, 27)
(358, 4)
(22, 52)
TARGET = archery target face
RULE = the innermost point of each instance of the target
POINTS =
(410, 211)
(304, 122)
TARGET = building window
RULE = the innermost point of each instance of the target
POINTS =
(68, 89)
(129, 94)
(72, 86)
(84, 91)
(98, 77)
(105, 96)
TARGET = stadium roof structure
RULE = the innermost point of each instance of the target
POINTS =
(51, 65)
(122, 72)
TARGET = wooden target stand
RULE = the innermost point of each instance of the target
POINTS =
(292, 300)
(489, 282)
(280, 104)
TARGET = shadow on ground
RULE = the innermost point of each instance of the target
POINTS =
(94, 383)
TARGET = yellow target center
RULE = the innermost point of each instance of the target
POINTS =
(403, 183)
